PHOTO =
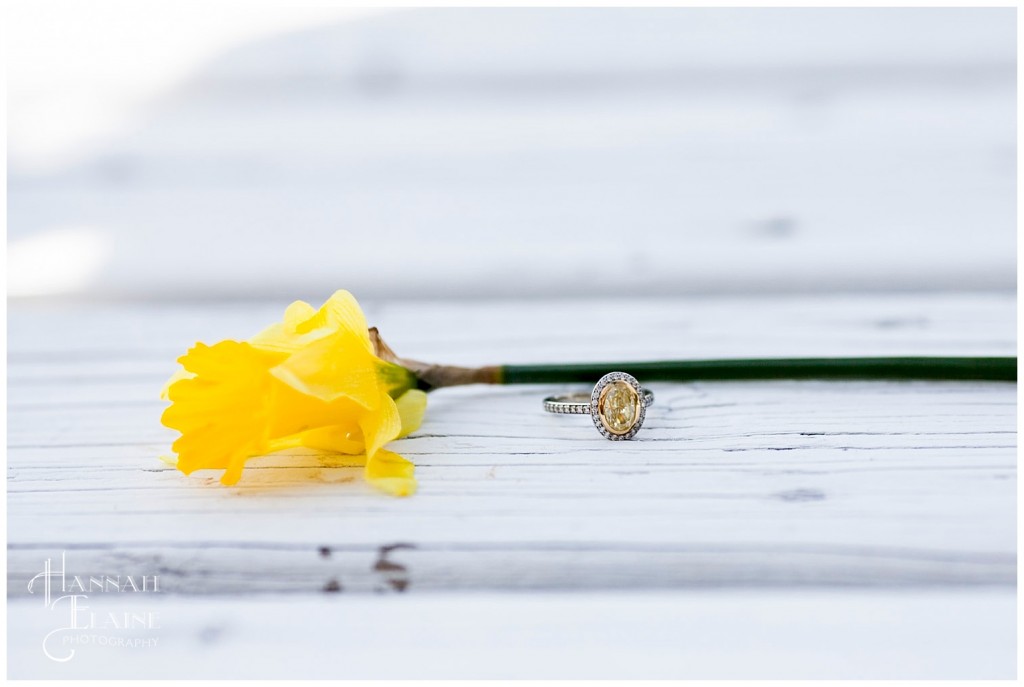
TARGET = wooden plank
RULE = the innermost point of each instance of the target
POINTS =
(881, 168)
(780, 484)
(783, 529)
(938, 634)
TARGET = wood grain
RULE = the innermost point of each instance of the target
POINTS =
(709, 150)
(775, 490)
(739, 634)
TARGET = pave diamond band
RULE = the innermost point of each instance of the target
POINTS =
(579, 404)
(617, 405)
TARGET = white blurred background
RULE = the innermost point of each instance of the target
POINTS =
(184, 150)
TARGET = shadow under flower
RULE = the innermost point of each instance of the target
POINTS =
(297, 470)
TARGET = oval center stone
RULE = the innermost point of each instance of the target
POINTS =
(618, 407)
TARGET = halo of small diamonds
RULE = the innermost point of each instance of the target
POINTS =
(603, 423)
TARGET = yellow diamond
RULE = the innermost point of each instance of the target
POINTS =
(619, 406)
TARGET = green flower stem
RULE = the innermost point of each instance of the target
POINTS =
(969, 368)
(997, 369)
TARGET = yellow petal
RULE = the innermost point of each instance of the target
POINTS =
(285, 336)
(411, 407)
(276, 338)
(233, 472)
(293, 412)
(221, 412)
(279, 339)
(341, 312)
(176, 377)
(206, 449)
(391, 473)
(336, 438)
(380, 425)
(333, 367)
(297, 314)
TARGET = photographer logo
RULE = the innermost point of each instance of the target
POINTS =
(79, 623)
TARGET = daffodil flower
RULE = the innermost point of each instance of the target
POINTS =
(312, 380)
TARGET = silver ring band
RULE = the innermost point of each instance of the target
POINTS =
(579, 404)
(617, 405)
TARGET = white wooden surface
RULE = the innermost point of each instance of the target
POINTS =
(709, 150)
(785, 530)
(740, 634)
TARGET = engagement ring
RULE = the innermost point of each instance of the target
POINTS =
(617, 405)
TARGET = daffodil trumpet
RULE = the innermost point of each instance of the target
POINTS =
(322, 380)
